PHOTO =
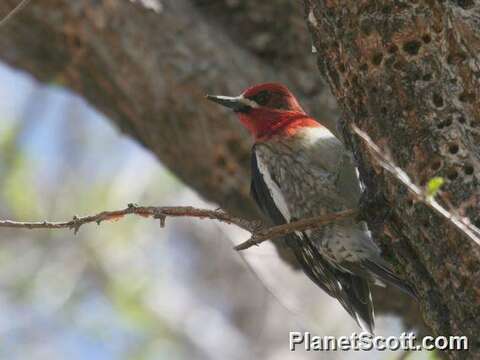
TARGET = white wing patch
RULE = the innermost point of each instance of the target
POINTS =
(313, 134)
(274, 190)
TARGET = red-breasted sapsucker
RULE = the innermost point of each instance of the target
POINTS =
(299, 170)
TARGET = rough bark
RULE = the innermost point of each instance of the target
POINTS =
(407, 73)
(148, 72)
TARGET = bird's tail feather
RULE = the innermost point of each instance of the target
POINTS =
(381, 272)
(351, 291)
(356, 298)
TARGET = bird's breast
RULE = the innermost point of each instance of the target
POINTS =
(308, 189)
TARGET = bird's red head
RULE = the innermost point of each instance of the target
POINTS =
(267, 110)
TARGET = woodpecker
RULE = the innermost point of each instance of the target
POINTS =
(299, 169)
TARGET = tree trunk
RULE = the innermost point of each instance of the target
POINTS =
(149, 71)
(407, 73)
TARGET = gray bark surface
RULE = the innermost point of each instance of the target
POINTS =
(407, 73)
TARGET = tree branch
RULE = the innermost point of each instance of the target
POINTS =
(12, 13)
(259, 232)
(300, 225)
(461, 223)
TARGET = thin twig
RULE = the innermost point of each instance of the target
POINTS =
(259, 233)
(15, 10)
(300, 225)
(461, 223)
(147, 211)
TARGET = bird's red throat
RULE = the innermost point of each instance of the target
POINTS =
(263, 124)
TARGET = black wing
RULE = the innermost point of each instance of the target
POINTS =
(304, 253)
(350, 290)
(261, 194)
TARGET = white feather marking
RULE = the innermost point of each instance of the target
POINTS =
(312, 19)
(310, 135)
(362, 185)
(299, 234)
(248, 102)
(321, 132)
(241, 99)
(365, 326)
(274, 190)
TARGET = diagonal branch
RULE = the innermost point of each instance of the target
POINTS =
(461, 223)
(15, 10)
(259, 233)
(300, 225)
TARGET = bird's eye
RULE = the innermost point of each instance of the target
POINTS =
(262, 98)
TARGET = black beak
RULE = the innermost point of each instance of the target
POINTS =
(237, 103)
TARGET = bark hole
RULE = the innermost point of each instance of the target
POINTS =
(468, 169)
(392, 49)
(427, 77)
(466, 97)
(437, 100)
(426, 38)
(377, 59)
(412, 47)
(436, 165)
(453, 148)
(465, 4)
(452, 174)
